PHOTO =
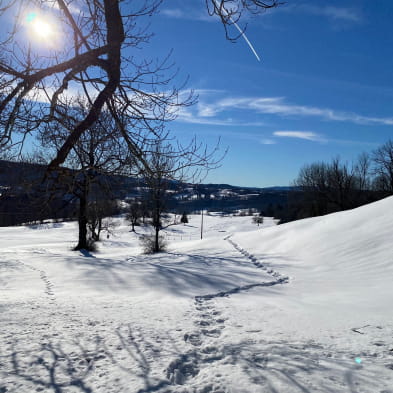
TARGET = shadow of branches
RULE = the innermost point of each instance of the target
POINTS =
(51, 368)
(125, 357)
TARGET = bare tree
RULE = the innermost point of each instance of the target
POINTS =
(99, 152)
(36, 87)
(100, 209)
(335, 186)
(329, 187)
(257, 220)
(312, 180)
(383, 167)
(363, 172)
(230, 12)
(341, 184)
(167, 166)
(90, 57)
(134, 213)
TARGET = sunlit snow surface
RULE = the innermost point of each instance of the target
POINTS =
(301, 307)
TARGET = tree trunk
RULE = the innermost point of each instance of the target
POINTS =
(82, 219)
(156, 242)
(99, 228)
(157, 224)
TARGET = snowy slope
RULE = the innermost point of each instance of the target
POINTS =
(341, 264)
(302, 307)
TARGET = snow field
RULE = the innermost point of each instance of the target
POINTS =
(302, 307)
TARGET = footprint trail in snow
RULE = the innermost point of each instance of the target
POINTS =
(209, 328)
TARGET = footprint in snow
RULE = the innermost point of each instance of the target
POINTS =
(183, 368)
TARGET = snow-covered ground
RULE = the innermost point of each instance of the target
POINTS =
(302, 307)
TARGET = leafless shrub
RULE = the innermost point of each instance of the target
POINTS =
(151, 245)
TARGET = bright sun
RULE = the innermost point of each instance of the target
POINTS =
(42, 29)
(39, 27)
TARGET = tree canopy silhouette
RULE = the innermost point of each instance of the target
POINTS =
(88, 50)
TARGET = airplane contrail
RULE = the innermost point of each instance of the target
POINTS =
(242, 33)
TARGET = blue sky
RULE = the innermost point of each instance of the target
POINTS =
(323, 87)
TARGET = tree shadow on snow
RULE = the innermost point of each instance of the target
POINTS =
(51, 369)
(133, 358)
(127, 360)
(86, 253)
(306, 367)
(181, 274)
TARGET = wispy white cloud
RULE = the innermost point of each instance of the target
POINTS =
(267, 141)
(349, 142)
(188, 13)
(339, 16)
(206, 110)
(316, 137)
(342, 14)
(307, 135)
(256, 138)
(202, 117)
(185, 115)
(176, 13)
(348, 14)
(278, 106)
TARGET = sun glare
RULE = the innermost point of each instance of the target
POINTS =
(40, 28)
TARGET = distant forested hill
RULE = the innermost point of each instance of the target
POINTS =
(21, 187)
